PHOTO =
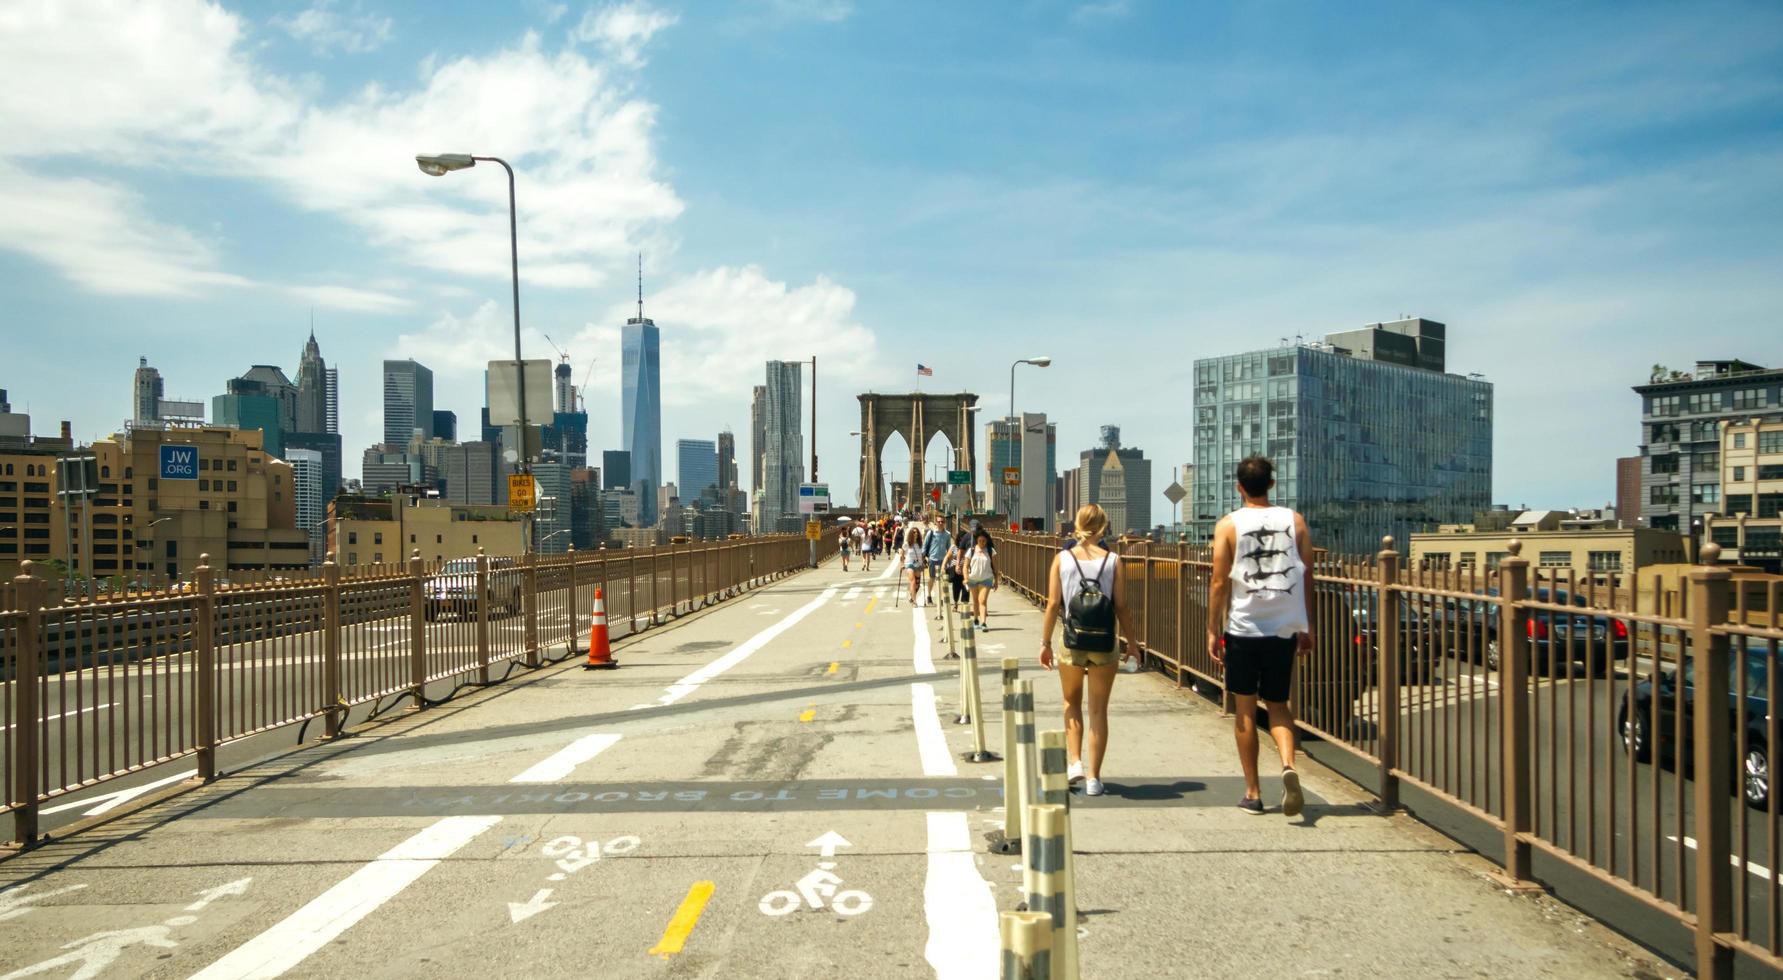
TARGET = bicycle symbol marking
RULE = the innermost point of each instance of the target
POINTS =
(819, 886)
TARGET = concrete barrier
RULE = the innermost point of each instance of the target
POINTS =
(975, 700)
(1027, 945)
(1048, 885)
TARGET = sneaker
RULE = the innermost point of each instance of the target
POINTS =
(1250, 806)
(1074, 773)
(1292, 798)
(1092, 787)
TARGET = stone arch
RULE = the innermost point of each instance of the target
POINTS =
(917, 417)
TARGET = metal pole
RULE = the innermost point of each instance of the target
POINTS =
(814, 418)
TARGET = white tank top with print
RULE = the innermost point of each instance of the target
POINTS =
(1268, 577)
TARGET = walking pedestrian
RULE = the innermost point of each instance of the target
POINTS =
(956, 567)
(858, 536)
(1259, 617)
(870, 546)
(914, 562)
(935, 545)
(842, 547)
(981, 577)
(1083, 589)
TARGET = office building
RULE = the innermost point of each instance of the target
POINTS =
(472, 474)
(696, 467)
(385, 468)
(1628, 491)
(1413, 342)
(783, 454)
(408, 402)
(148, 394)
(727, 460)
(1749, 528)
(371, 530)
(445, 425)
(262, 399)
(30, 509)
(1681, 416)
(615, 469)
(554, 510)
(1135, 498)
(334, 401)
(1548, 543)
(308, 486)
(328, 444)
(758, 433)
(564, 388)
(312, 389)
(1111, 493)
(1362, 447)
(587, 528)
(566, 439)
(641, 406)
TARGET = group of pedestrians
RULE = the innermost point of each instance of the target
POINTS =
(962, 566)
(1259, 620)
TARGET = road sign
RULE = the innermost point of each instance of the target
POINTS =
(1174, 493)
(813, 530)
(1012, 476)
(504, 392)
(520, 493)
(814, 498)
(935, 494)
(179, 462)
(959, 478)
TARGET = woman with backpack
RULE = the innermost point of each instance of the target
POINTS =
(981, 576)
(1083, 589)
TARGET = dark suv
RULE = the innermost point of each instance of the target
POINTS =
(1638, 727)
(1594, 638)
(454, 588)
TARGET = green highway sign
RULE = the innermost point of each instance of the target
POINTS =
(959, 478)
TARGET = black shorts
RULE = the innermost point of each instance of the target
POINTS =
(1262, 666)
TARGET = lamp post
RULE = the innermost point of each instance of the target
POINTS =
(439, 165)
(1016, 420)
(150, 544)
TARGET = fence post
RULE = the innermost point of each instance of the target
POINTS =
(204, 628)
(655, 576)
(575, 597)
(418, 628)
(484, 597)
(1145, 596)
(631, 589)
(1386, 637)
(1709, 601)
(674, 583)
(27, 687)
(1513, 692)
(1181, 647)
(331, 648)
(529, 605)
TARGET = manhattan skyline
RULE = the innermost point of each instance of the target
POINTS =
(1125, 187)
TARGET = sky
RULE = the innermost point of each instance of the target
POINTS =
(1579, 190)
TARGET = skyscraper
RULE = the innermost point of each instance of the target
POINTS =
(783, 467)
(727, 460)
(334, 401)
(445, 425)
(1136, 481)
(263, 399)
(147, 408)
(1363, 445)
(565, 386)
(1681, 416)
(615, 469)
(408, 401)
(696, 468)
(758, 434)
(312, 389)
(641, 406)
(310, 491)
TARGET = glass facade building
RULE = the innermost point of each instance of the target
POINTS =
(641, 411)
(1363, 448)
(696, 467)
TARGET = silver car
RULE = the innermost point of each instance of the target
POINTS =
(454, 589)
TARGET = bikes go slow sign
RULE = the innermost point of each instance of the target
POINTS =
(179, 462)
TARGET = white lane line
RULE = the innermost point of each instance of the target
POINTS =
(891, 566)
(961, 913)
(69, 714)
(925, 661)
(691, 683)
(565, 760)
(931, 742)
(1733, 859)
(333, 912)
(879, 593)
(111, 801)
(851, 593)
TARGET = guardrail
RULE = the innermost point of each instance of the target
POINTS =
(1534, 701)
(96, 689)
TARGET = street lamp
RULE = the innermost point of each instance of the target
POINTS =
(150, 544)
(1037, 362)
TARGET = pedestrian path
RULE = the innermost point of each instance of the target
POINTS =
(773, 788)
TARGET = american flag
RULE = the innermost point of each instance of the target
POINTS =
(924, 371)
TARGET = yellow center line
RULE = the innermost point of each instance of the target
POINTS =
(833, 666)
(683, 921)
(847, 643)
(809, 713)
(870, 604)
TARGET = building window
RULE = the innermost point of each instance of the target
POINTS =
(1664, 405)
(1704, 401)
(231, 486)
(1739, 473)
(1725, 535)
(204, 485)
(231, 506)
(1739, 440)
(377, 556)
(1556, 559)
(1770, 504)
(1746, 398)
(1665, 463)
(473, 539)
(1706, 461)
(439, 539)
(204, 505)
(1663, 495)
(1663, 432)
(1605, 561)
(1762, 542)
(411, 539)
(232, 466)
(1705, 493)
(1770, 471)
(1738, 503)
(352, 557)
(1436, 559)
(1770, 442)
(352, 537)
(377, 537)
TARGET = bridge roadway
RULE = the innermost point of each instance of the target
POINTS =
(661, 819)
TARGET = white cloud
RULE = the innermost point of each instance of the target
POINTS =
(326, 28)
(826, 11)
(622, 30)
(1104, 10)
(350, 298)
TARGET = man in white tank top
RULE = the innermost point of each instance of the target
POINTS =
(1259, 618)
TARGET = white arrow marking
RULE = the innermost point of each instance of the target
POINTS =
(828, 843)
(111, 801)
(521, 911)
(237, 887)
(12, 904)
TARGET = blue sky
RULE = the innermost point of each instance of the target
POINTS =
(1578, 190)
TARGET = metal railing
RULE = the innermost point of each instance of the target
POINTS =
(96, 688)
(1538, 701)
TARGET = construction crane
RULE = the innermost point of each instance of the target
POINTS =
(587, 376)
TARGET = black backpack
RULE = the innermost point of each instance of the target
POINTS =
(1089, 614)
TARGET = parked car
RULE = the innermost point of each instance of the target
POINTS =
(454, 589)
(1642, 730)
(1593, 639)
(1418, 655)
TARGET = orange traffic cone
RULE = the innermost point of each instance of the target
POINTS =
(600, 648)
